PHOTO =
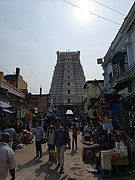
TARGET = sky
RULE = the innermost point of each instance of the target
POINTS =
(32, 31)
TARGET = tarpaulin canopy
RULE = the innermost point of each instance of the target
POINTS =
(5, 110)
(4, 103)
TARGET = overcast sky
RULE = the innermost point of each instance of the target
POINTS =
(31, 31)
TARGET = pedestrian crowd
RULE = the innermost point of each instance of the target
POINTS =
(58, 138)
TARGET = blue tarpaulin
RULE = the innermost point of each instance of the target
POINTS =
(5, 110)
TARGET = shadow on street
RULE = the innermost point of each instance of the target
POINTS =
(50, 174)
(28, 164)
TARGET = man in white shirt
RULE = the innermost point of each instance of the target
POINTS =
(7, 158)
(38, 132)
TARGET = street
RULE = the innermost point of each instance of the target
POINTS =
(28, 168)
(40, 169)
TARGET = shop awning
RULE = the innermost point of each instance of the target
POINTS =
(4, 110)
(4, 104)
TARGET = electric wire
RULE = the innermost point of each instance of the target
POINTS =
(109, 7)
(5, 69)
(91, 12)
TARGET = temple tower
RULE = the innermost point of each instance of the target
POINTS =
(67, 84)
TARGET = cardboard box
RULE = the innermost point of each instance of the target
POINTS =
(106, 157)
(121, 161)
(105, 153)
(106, 166)
(106, 160)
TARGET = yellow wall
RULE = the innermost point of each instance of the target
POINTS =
(1, 76)
(21, 83)
(13, 83)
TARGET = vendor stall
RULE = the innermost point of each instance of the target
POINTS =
(89, 151)
(114, 144)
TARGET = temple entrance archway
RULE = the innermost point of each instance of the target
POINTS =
(69, 112)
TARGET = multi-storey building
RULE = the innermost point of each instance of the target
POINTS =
(119, 72)
(11, 101)
(119, 61)
(9, 93)
(39, 102)
(92, 90)
(16, 80)
(67, 83)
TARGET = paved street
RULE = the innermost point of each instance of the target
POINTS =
(75, 168)
(27, 168)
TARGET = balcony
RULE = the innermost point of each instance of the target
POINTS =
(122, 78)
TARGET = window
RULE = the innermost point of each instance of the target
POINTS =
(68, 84)
(68, 91)
(68, 77)
(68, 100)
(110, 76)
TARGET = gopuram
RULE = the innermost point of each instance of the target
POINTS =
(67, 84)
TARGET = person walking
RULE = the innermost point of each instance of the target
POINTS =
(69, 140)
(7, 158)
(38, 132)
(60, 141)
(50, 138)
(11, 131)
(74, 130)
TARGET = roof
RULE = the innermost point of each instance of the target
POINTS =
(93, 82)
(10, 77)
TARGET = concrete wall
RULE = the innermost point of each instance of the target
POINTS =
(123, 42)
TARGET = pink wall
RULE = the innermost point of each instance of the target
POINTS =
(12, 89)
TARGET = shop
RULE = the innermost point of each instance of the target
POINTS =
(110, 148)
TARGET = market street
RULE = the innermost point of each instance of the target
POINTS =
(27, 168)
(75, 168)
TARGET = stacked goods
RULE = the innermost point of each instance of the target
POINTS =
(121, 149)
(114, 156)
(88, 142)
(120, 154)
(117, 145)
(106, 160)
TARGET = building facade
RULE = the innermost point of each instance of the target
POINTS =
(39, 103)
(92, 90)
(16, 80)
(67, 83)
(12, 100)
(119, 61)
(8, 90)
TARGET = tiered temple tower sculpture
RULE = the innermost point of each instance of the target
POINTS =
(67, 84)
